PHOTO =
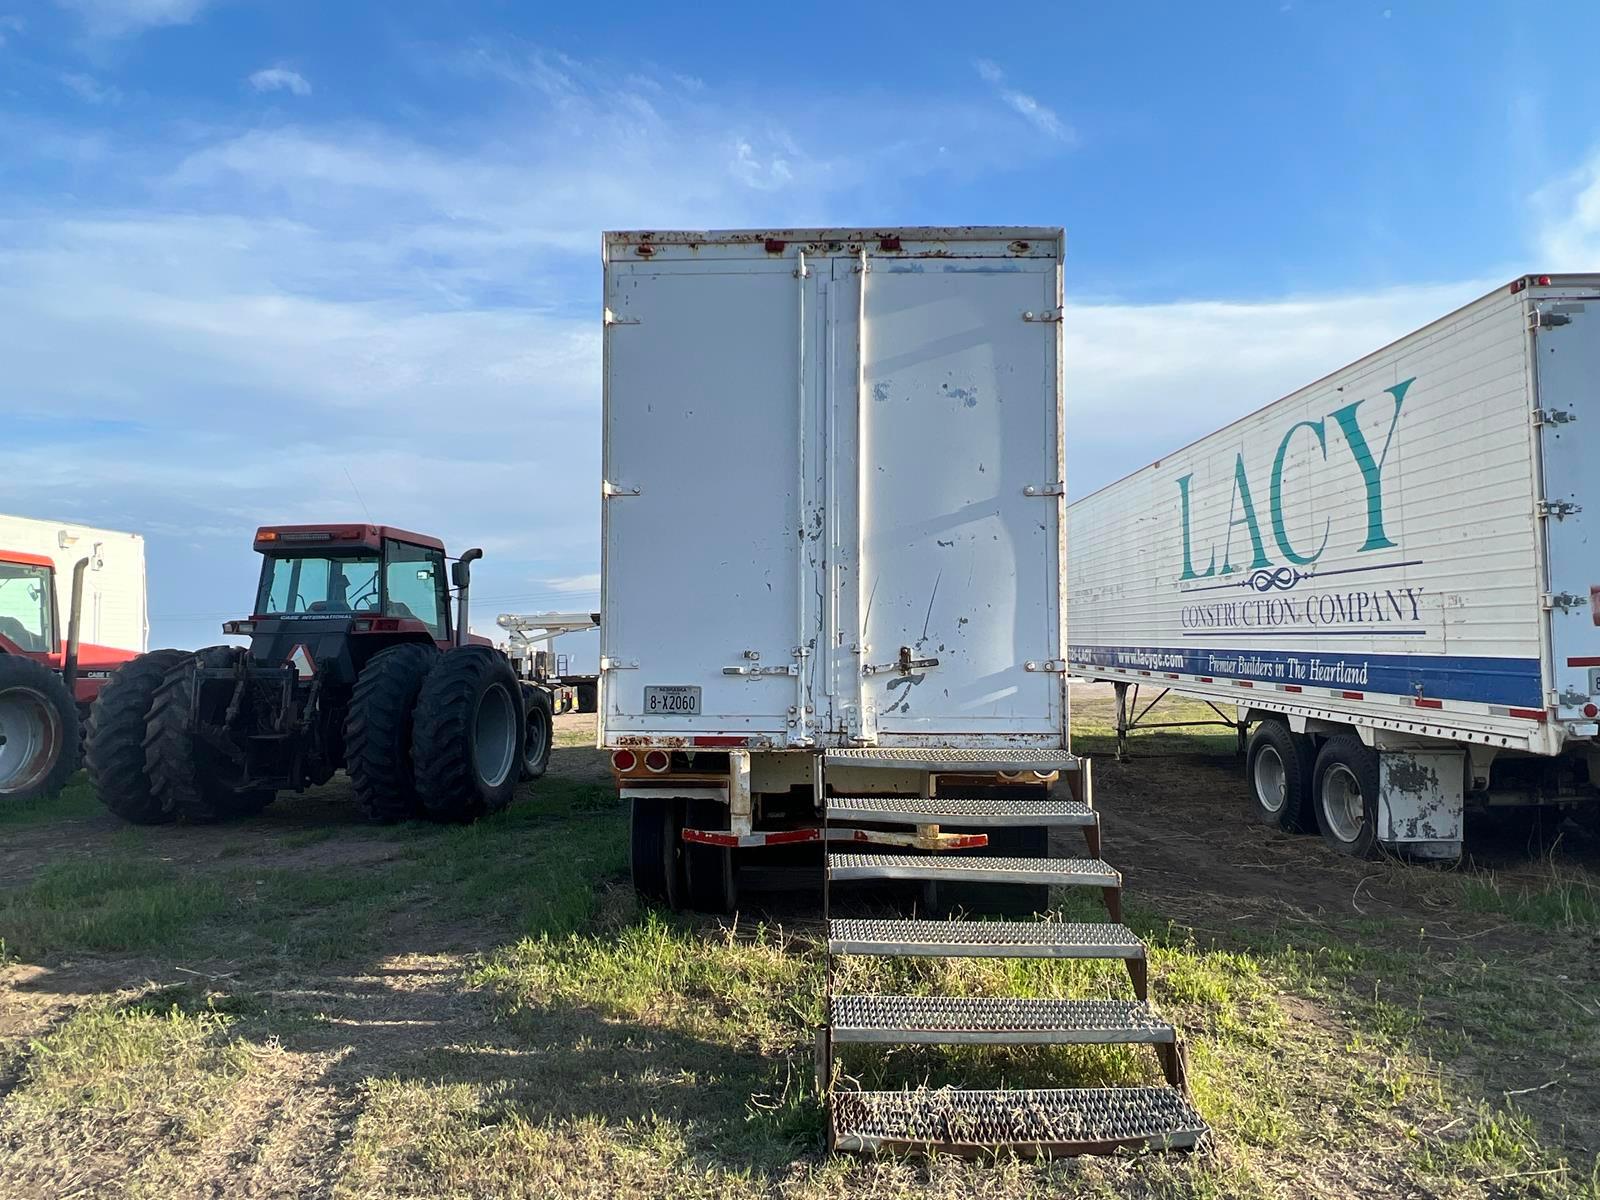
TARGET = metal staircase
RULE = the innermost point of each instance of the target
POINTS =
(1044, 1121)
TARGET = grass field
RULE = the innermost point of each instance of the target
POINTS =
(301, 1005)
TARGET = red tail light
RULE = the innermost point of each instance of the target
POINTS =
(624, 760)
(657, 761)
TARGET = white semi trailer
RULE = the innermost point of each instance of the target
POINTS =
(1390, 576)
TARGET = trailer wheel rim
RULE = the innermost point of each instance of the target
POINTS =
(495, 736)
(1271, 780)
(1343, 803)
(30, 738)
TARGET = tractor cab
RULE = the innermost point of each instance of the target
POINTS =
(332, 596)
(28, 622)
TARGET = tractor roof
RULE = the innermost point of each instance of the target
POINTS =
(23, 558)
(271, 538)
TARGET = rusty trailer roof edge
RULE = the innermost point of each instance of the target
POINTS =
(916, 233)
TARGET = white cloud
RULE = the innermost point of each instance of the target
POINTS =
(575, 583)
(90, 90)
(1568, 213)
(1040, 116)
(280, 79)
(116, 18)
(10, 25)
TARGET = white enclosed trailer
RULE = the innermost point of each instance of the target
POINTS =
(831, 611)
(116, 623)
(833, 512)
(1391, 574)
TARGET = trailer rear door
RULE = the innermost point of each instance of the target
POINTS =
(1567, 342)
(701, 584)
(946, 474)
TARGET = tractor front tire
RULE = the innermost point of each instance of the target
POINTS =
(186, 776)
(378, 731)
(38, 730)
(468, 735)
(539, 732)
(114, 748)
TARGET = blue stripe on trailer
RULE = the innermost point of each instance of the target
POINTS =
(1514, 682)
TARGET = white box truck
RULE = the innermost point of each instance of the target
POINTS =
(1387, 574)
(831, 613)
(832, 519)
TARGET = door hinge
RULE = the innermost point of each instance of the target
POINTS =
(608, 663)
(608, 490)
(1057, 665)
(1563, 601)
(613, 319)
(1553, 320)
(1571, 698)
(1045, 315)
(1558, 508)
(903, 663)
(1045, 489)
(1553, 416)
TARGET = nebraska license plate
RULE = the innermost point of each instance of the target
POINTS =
(672, 701)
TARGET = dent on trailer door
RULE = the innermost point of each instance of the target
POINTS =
(701, 559)
(951, 587)
(1567, 353)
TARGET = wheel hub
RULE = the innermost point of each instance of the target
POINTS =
(494, 736)
(1343, 804)
(30, 738)
(1271, 780)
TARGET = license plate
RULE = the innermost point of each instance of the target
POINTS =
(672, 701)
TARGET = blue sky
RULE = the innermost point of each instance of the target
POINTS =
(276, 261)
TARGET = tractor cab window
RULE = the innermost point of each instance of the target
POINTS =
(415, 585)
(26, 606)
(319, 583)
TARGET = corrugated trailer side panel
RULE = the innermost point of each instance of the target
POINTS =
(115, 615)
(1370, 541)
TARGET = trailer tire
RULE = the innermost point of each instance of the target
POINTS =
(378, 731)
(588, 697)
(38, 730)
(1278, 771)
(656, 849)
(539, 732)
(1345, 795)
(710, 874)
(468, 735)
(187, 777)
(114, 745)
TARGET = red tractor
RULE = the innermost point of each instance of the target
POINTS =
(43, 687)
(354, 662)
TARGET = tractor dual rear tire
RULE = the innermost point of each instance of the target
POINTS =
(114, 747)
(38, 730)
(468, 735)
(187, 777)
(378, 731)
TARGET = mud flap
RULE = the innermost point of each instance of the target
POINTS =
(1420, 802)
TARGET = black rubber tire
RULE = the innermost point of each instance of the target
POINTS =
(655, 829)
(378, 731)
(539, 732)
(186, 777)
(710, 876)
(1346, 755)
(455, 699)
(588, 697)
(1295, 754)
(40, 766)
(114, 746)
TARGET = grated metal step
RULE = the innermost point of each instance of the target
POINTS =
(979, 762)
(959, 810)
(973, 868)
(993, 1020)
(1044, 1121)
(984, 939)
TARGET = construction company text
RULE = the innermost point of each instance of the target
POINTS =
(1385, 606)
